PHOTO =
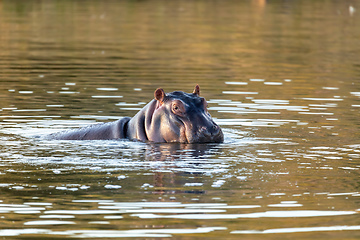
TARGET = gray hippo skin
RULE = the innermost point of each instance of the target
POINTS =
(170, 117)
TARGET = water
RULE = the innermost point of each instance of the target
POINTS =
(282, 79)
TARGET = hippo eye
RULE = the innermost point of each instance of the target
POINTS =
(178, 108)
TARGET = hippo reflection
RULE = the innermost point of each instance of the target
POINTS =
(178, 162)
(170, 117)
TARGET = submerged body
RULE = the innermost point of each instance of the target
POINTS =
(173, 117)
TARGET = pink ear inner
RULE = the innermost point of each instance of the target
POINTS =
(159, 94)
(197, 90)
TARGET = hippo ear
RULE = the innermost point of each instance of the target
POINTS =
(197, 90)
(159, 94)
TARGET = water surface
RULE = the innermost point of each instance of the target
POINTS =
(282, 79)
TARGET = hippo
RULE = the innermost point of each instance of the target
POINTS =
(175, 117)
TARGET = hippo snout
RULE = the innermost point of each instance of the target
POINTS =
(210, 131)
(210, 134)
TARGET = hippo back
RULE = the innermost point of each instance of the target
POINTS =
(101, 131)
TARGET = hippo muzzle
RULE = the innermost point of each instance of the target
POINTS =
(200, 128)
(207, 134)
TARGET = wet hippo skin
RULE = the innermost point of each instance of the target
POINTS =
(170, 117)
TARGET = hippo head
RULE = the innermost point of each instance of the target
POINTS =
(182, 117)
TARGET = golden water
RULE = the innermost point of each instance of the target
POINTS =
(282, 79)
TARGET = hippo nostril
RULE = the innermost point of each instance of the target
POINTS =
(215, 129)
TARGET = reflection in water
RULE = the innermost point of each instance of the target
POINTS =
(282, 79)
(117, 181)
(299, 230)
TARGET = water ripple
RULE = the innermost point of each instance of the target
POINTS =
(269, 214)
(299, 230)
